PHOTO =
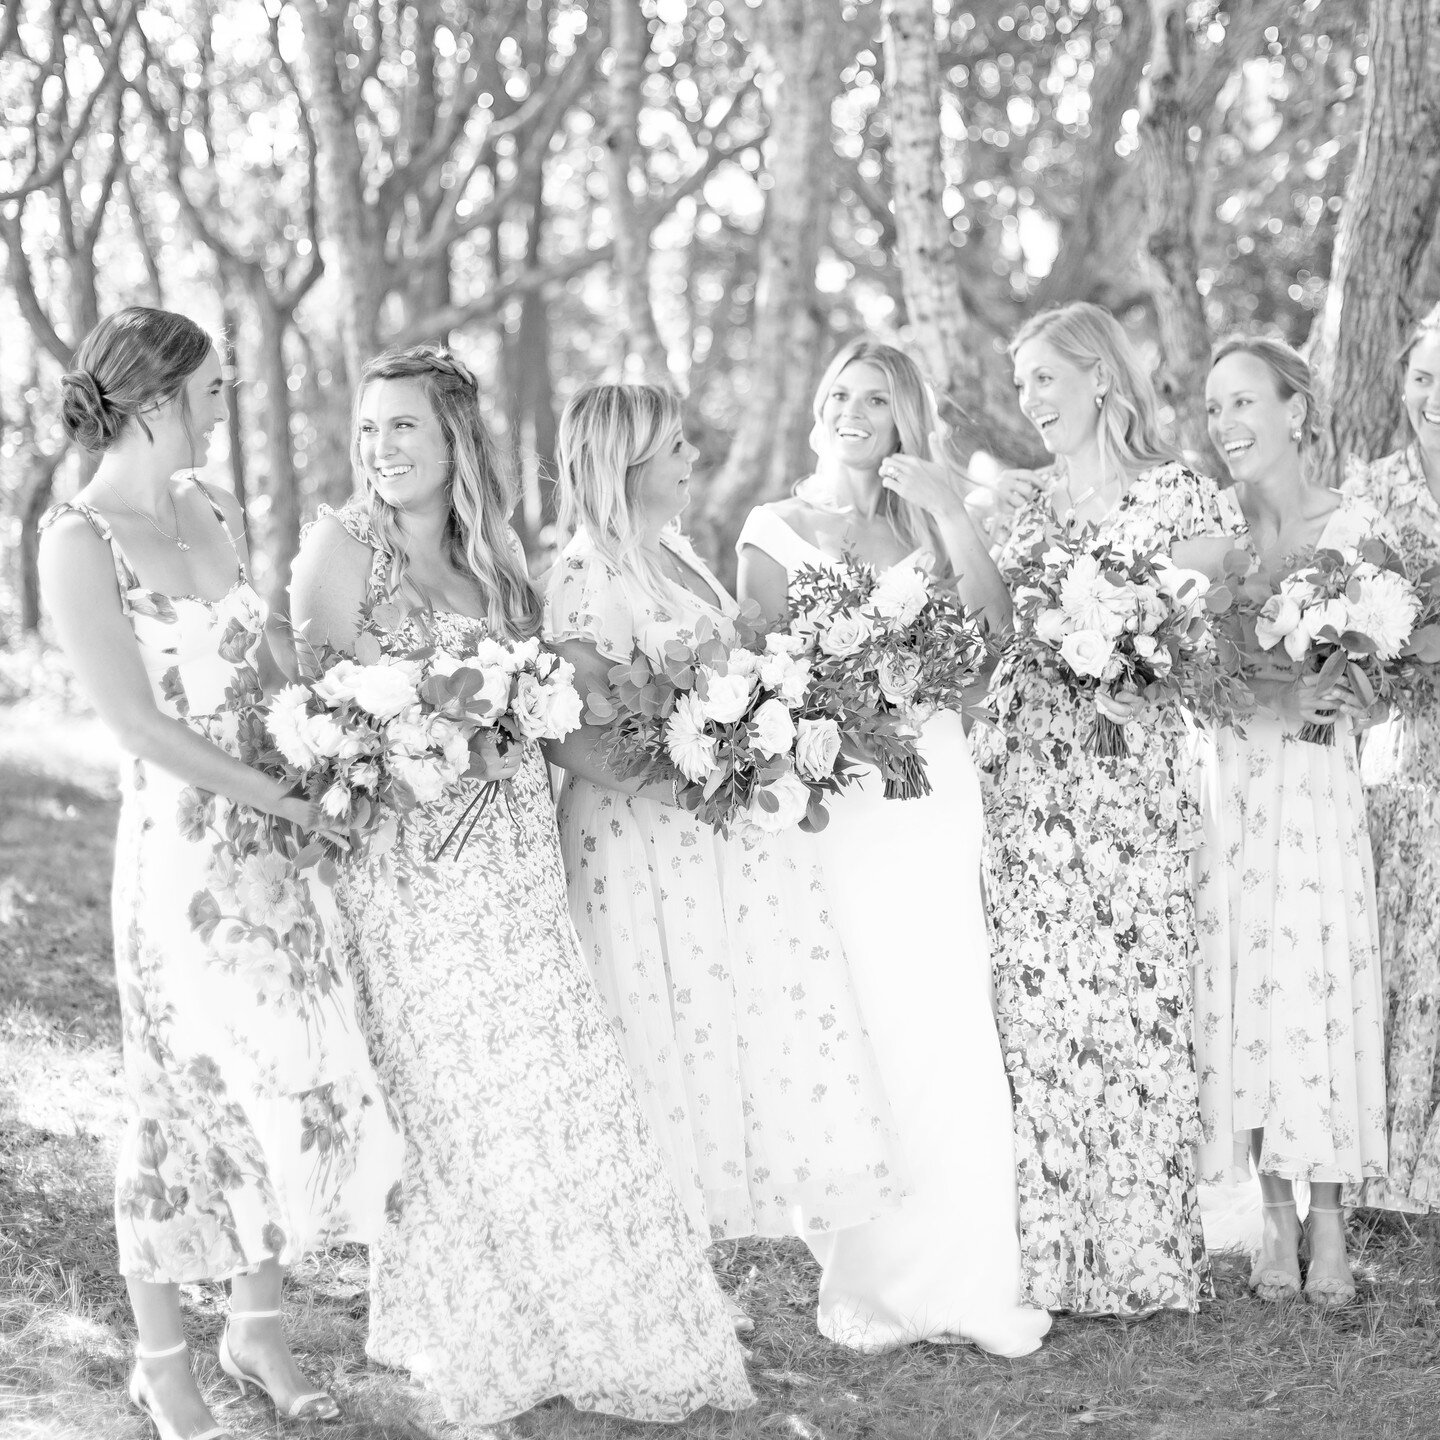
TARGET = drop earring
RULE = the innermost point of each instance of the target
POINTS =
(1100, 400)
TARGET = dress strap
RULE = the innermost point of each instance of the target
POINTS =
(125, 576)
(353, 518)
(224, 525)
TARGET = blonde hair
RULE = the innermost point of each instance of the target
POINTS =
(1288, 368)
(1424, 328)
(912, 407)
(608, 435)
(1131, 438)
(478, 539)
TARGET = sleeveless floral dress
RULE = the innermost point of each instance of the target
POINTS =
(257, 1126)
(1400, 767)
(1091, 900)
(541, 1249)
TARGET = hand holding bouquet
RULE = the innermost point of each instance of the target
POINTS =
(1113, 623)
(886, 649)
(719, 714)
(1346, 621)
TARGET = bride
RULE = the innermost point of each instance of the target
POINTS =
(905, 880)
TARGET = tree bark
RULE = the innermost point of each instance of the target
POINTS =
(282, 486)
(356, 245)
(640, 339)
(802, 39)
(1392, 203)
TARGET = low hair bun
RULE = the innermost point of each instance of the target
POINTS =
(89, 419)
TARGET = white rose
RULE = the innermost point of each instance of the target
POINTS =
(385, 690)
(529, 706)
(1332, 613)
(1186, 587)
(1050, 626)
(444, 663)
(524, 655)
(900, 594)
(793, 800)
(287, 720)
(1086, 652)
(727, 697)
(324, 734)
(845, 634)
(489, 653)
(335, 802)
(743, 662)
(563, 708)
(692, 750)
(494, 692)
(454, 747)
(424, 777)
(817, 747)
(1279, 616)
(337, 684)
(781, 642)
(783, 675)
(774, 730)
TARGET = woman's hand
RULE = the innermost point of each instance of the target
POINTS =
(487, 763)
(926, 483)
(1122, 707)
(1317, 705)
(1014, 489)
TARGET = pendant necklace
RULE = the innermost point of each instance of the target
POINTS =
(154, 524)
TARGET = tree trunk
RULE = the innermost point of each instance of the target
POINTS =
(359, 260)
(630, 41)
(282, 486)
(1391, 206)
(37, 493)
(234, 418)
(802, 40)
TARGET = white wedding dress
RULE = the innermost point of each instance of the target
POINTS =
(904, 878)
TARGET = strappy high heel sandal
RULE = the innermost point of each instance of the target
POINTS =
(1271, 1282)
(163, 1428)
(1329, 1292)
(312, 1405)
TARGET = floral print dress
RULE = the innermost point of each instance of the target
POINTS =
(720, 969)
(257, 1127)
(1288, 1034)
(1090, 898)
(1400, 767)
(540, 1249)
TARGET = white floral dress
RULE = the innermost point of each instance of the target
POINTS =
(720, 969)
(1287, 992)
(540, 1249)
(257, 1128)
(1090, 897)
(1400, 768)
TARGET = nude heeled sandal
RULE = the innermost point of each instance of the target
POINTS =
(163, 1428)
(313, 1405)
(1328, 1292)
(1274, 1283)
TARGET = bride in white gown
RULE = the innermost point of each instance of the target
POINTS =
(905, 882)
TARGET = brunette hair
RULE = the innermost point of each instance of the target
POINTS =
(608, 435)
(912, 406)
(130, 363)
(1426, 326)
(478, 538)
(1291, 372)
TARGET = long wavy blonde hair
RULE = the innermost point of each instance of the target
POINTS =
(608, 435)
(1131, 438)
(478, 539)
(912, 405)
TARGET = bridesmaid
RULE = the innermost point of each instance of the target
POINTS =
(1288, 989)
(540, 1249)
(906, 881)
(146, 577)
(716, 958)
(1088, 872)
(1400, 763)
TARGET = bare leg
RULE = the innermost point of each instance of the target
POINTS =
(1276, 1272)
(163, 1385)
(1329, 1281)
(256, 1342)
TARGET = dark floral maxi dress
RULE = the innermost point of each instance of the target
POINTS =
(1088, 880)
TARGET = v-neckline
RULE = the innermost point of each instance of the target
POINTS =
(700, 572)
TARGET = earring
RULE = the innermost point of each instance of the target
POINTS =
(1100, 400)
(1297, 434)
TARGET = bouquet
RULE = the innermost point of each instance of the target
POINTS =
(1103, 618)
(720, 714)
(886, 648)
(1339, 614)
(371, 737)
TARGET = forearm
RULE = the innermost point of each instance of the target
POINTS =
(579, 754)
(978, 582)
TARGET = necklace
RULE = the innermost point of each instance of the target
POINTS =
(149, 520)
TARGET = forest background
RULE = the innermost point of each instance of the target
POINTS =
(719, 192)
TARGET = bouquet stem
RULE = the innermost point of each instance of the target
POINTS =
(1108, 738)
(475, 807)
(1317, 734)
(908, 780)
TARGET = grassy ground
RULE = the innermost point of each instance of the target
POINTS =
(1236, 1371)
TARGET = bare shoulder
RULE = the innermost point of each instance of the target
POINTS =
(68, 538)
(328, 543)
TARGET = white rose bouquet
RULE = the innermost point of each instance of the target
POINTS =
(1106, 620)
(370, 737)
(886, 648)
(1351, 615)
(720, 713)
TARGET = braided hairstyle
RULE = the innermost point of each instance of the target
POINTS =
(130, 363)
(478, 539)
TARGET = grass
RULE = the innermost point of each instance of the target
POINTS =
(1238, 1370)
